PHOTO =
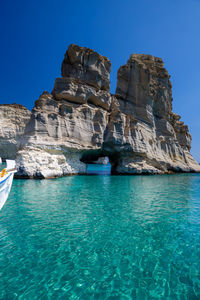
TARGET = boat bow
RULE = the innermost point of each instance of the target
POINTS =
(6, 179)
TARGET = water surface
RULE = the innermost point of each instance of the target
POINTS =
(101, 237)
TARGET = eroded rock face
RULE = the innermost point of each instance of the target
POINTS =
(81, 121)
(13, 120)
(148, 135)
(87, 66)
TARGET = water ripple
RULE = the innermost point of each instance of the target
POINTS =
(118, 237)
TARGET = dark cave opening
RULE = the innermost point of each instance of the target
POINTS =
(91, 156)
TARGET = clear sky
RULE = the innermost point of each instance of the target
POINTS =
(36, 34)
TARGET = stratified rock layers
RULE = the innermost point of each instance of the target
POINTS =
(13, 120)
(81, 121)
(152, 138)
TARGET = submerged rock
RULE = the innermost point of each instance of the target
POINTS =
(80, 121)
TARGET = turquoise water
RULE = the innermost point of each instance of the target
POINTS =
(98, 169)
(117, 237)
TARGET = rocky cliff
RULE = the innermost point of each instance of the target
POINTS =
(151, 139)
(81, 121)
(13, 120)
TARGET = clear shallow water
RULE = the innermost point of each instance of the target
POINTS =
(118, 237)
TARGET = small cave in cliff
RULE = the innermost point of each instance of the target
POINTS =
(94, 156)
(90, 156)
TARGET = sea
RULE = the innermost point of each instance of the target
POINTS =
(102, 237)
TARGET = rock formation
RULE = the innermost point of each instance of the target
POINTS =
(13, 120)
(81, 121)
(151, 139)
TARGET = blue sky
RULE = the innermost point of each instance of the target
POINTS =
(35, 35)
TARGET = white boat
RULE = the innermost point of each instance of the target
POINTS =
(6, 179)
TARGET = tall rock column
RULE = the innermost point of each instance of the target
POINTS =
(146, 133)
(71, 120)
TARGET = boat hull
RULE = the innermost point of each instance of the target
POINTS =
(6, 184)
(5, 187)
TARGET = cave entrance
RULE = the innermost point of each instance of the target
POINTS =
(98, 156)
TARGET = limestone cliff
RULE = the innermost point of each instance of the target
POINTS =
(81, 121)
(13, 120)
(148, 135)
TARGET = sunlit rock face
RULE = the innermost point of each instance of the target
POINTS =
(144, 130)
(70, 121)
(87, 66)
(81, 121)
(13, 120)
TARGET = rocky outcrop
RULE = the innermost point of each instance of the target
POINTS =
(13, 120)
(58, 134)
(80, 121)
(87, 66)
(69, 122)
(147, 134)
